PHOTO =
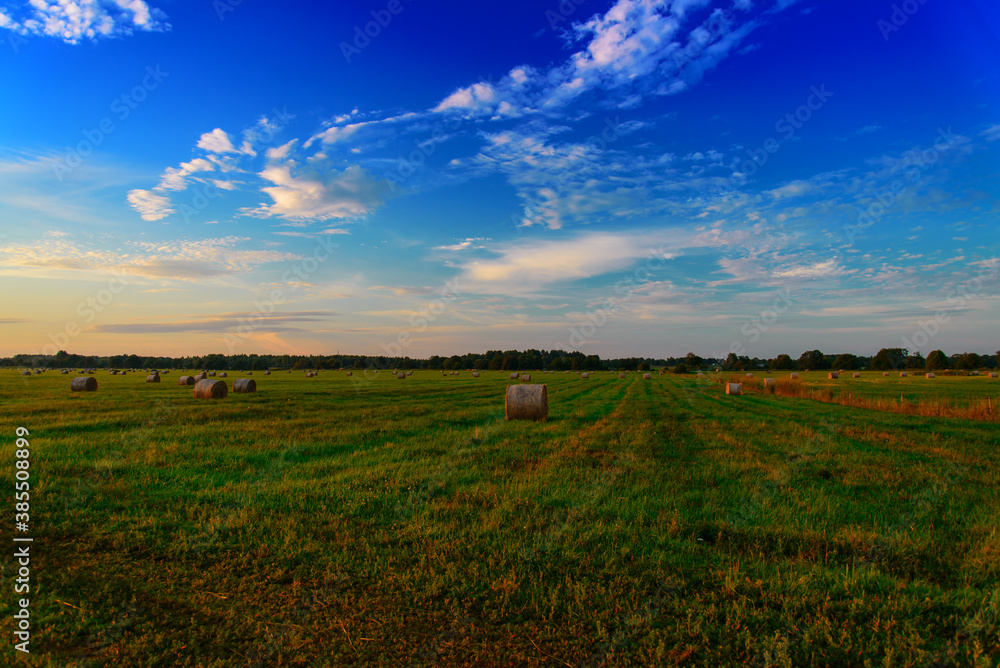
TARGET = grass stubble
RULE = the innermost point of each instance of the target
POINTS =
(405, 522)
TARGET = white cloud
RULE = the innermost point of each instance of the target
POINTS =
(216, 141)
(462, 245)
(172, 260)
(992, 133)
(75, 20)
(816, 270)
(150, 205)
(348, 194)
(175, 178)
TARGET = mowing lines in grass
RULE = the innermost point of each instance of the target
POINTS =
(85, 487)
(799, 458)
(923, 504)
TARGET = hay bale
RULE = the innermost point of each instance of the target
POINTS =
(64, 372)
(770, 382)
(749, 375)
(25, 373)
(200, 377)
(975, 373)
(122, 373)
(857, 375)
(793, 376)
(83, 384)
(185, 380)
(475, 374)
(585, 375)
(250, 373)
(223, 374)
(833, 375)
(647, 376)
(349, 373)
(993, 375)
(211, 374)
(410, 373)
(885, 374)
(902, 374)
(621, 376)
(244, 385)
(210, 389)
(401, 376)
(153, 378)
(526, 402)
(267, 373)
(929, 375)
(734, 388)
(513, 376)
(526, 377)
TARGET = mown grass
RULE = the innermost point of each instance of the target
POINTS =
(404, 522)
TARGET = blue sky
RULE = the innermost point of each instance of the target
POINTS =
(630, 177)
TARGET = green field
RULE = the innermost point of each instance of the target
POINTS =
(405, 522)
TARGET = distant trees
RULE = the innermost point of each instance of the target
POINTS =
(643, 366)
(937, 360)
(782, 362)
(845, 361)
(967, 361)
(692, 361)
(888, 359)
(813, 359)
(916, 361)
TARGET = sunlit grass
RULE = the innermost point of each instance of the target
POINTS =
(404, 521)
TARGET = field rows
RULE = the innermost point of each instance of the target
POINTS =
(405, 522)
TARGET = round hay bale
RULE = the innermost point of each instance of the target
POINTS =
(929, 375)
(25, 373)
(185, 380)
(525, 377)
(410, 373)
(833, 375)
(211, 374)
(513, 376)
(749, 375)
(223, 374)
(250, 373)
(122, 373)
(475, 374)
(621, 376)
(885, 374)
(793, 376)
(64, 372)
(244, 385)
(902, 374)
(647, 376)
(770, 382)
(975, 373)
(585, 375)
(349, 373)
(210, 389)
(734, 388)
(857, 375)
(83, 384)
(153, 378)
(200, 377)
(267, 373)
(993, 375)
(401, 376)
(526, 402)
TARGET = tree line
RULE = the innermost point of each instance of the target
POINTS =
(514, 360)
